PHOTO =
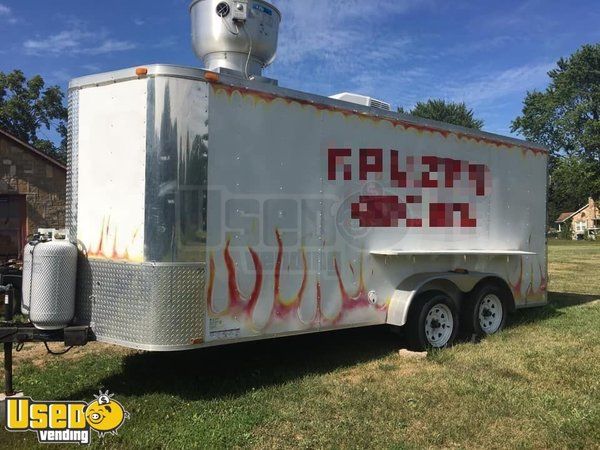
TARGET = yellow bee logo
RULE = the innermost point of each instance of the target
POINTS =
(105, 415)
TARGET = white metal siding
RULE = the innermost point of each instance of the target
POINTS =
(112, 162)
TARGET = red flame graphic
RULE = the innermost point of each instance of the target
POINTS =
(544, 280)
(211, 282)
(283, 308)
(350, 301)
(102, 250)
(516, 288)
(532, 293)
(237, 302)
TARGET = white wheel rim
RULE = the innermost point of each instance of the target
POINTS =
(439, 324)
(490, 313)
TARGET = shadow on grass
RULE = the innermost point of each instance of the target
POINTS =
(236, 369)
(557, 301)
(562, 300)
(233, 370)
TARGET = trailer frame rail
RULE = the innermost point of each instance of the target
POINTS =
(12, 332)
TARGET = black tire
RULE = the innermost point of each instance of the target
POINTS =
(475, 325)
(420, 322)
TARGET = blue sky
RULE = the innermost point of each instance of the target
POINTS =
(486, 53)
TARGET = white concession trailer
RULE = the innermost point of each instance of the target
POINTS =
(213, 206)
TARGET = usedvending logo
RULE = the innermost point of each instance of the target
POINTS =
(66, 422)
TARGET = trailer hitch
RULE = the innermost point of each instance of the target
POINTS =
(8, 345)
(12, 332)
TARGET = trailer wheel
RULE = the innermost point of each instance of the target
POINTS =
(485, 310)
(432, 322)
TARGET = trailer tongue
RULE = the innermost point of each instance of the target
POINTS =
(212, 206)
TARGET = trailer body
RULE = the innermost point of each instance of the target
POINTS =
(211, 209)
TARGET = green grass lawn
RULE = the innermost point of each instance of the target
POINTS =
(536, 385)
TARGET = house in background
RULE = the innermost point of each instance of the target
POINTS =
(585, 222)
(32, 194)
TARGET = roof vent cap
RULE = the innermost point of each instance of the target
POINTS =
(362, 100)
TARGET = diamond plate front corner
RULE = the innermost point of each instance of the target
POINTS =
(156, 307)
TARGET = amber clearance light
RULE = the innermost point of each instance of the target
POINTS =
(211, 76)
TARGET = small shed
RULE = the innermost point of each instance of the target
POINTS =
(32, 193)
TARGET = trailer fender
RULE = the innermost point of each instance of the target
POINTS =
(454, 284)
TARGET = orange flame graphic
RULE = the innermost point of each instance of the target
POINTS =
(104, 250)
(531, 294)
(420, 128)
(237, 302)
(351, 301)
(283, 306)
(516, 288)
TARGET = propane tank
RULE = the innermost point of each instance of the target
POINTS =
(49, 277)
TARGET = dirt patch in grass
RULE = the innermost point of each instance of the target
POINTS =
(36, 353)
(395, 367)
(559, 267)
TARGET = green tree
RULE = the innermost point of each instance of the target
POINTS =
(27, 106)
(566, 116)
(449, 112)
(573, 180)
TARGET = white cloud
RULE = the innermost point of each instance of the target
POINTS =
(92, 68)
(65, 41)
(110, 46)
(334, 31)
(61, 76)
(398, 86)
(360, 46)
(470, 46)
(488, 88)
(167, 42)
(139, 22)
(485, 92)
(7, 15)
(336, 40)
(76, 41)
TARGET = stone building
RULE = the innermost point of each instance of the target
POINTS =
(32, 194)
(585, 222)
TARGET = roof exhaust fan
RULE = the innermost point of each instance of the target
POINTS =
(235, 35)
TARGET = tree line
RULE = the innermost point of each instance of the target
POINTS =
(29, 111)
(565, 118)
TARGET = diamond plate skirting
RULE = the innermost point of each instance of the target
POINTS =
(72, 163)
(158, 307)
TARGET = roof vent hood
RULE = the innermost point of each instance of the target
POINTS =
(362, 100)
(235, 35)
